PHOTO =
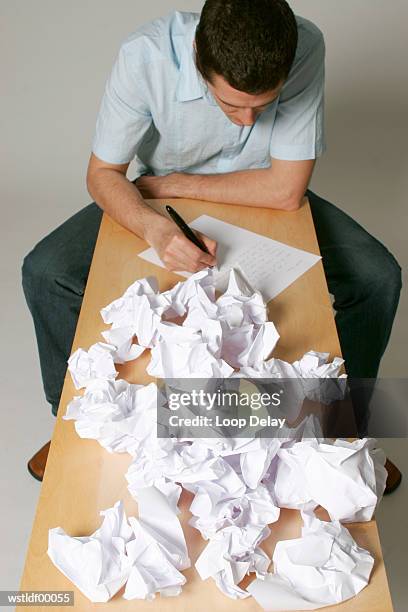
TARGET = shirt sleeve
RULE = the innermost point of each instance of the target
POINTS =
(124, 116)
(298, 131)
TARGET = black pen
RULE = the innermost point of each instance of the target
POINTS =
(187, 231)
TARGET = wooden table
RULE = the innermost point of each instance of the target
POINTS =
(82, 478)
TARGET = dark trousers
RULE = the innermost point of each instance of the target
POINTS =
(361, 273)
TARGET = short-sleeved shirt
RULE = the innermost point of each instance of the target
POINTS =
(158, 111)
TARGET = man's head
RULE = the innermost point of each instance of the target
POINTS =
(244, 50)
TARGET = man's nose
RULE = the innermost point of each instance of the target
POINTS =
(248, 116)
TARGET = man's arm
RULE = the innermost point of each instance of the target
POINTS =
(121, 200)
(282, 186)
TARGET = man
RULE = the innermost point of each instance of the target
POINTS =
(226, 107)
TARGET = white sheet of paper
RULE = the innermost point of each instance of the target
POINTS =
(267, 264)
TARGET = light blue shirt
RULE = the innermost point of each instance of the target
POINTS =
(157, 110)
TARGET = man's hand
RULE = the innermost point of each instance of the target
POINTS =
(159, 186)
(176, 251)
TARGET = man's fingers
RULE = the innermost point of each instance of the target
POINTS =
(209, 243)
(208, 259)
(183, 255)
(194, 255)
(143, 190)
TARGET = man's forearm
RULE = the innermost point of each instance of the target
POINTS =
(282, 186)
(121, 200)
(245, 187)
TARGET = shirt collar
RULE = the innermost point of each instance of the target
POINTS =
(190, 85)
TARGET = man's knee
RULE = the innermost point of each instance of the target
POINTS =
(371, 274)
(65, 253)
(381, 276)
(390, 276)
(41, 266)
(34, 269)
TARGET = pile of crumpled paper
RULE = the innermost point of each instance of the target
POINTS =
(239, 484)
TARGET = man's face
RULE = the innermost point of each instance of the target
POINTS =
(241, 108)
